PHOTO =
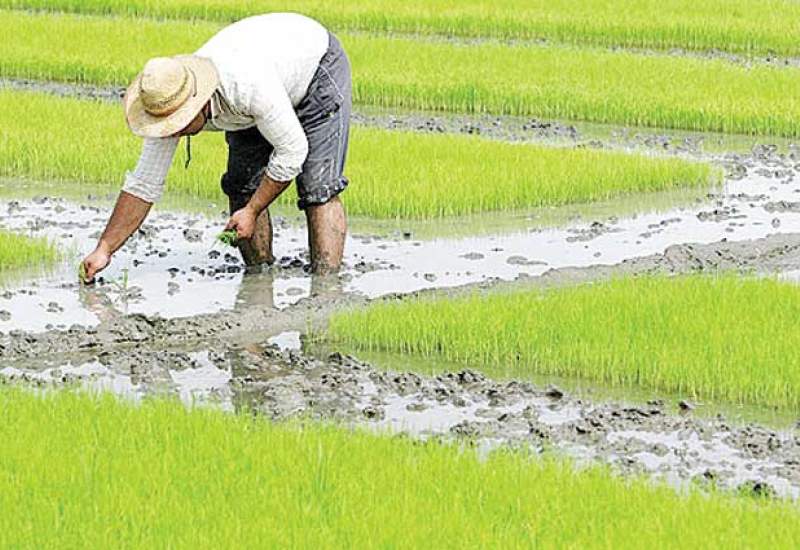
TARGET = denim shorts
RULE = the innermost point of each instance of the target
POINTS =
(324, 114)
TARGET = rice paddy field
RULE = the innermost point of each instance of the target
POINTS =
(565, 317)
(568, 83)
(404, 174)
(741, 26)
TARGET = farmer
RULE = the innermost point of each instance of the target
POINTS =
(279, 86)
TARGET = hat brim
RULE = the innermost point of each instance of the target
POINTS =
(146, 125)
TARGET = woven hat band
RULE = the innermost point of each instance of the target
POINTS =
(158, 99)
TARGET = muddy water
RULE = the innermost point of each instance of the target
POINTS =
(173, 268)
(646, 437)
(193, 377)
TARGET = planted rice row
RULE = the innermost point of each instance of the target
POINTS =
(158, 475)
(17, 251)
(393, 174)
(739, 26)
(727, 338)
(552, 82)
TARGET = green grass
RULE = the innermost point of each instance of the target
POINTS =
(82, 472)
(727, 338)
(394, 174)
(17, 251)
(552, 82)
(741, 26)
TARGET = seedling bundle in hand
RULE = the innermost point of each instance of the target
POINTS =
(228, 237)
(82, 278)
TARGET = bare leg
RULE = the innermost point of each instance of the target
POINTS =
(327, 229)
(258, 249)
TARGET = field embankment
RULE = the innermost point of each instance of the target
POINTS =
(737, 26)
(553, 82)
(161, 475)
(396, 174)
(717, 337)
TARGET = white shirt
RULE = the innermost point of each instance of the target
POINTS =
(265, 65)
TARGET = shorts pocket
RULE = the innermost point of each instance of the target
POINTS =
(324, 99)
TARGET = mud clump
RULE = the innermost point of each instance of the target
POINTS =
(595, 230)
(782, 207)
(522, 260)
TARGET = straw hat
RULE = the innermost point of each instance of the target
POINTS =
(168, 94)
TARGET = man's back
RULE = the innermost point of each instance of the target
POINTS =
(286, 44)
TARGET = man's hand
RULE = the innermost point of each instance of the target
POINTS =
(244, 222)
(128, 214)
(96, 262)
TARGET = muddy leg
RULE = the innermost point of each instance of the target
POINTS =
(258, 249)
(327, 229)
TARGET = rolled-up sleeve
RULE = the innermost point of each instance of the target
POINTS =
(147, 179)
(278, 123)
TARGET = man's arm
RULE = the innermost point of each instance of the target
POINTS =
(129, 213)
(142, 188)
(277, 121)
(244, 220)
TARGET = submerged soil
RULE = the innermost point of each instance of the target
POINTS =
(174, 267)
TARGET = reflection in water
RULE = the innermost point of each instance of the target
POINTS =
(266, 289)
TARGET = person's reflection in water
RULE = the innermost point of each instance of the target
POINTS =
(250, 363)
(326, 285)
(257, 289)
(97, 301)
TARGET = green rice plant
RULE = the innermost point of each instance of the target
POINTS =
(552, 82)
(17, 251)
(228, 237)
(82, 274)
(726, 338)
(394, 174)
(92, 472)
(741, 26)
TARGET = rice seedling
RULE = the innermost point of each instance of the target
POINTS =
(394, 174)
(82, 275)
(17, 251)
(741, 26)
(228, 238)
(723, 337)
(159, 475)
(553, 82)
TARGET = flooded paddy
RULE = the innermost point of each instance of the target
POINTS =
(174, 267)
(175, 316)
(189, 401)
